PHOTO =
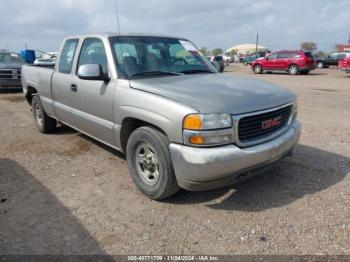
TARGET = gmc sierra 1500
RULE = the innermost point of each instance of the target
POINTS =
(156, 98)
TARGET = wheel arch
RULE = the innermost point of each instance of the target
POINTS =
(31, 91)
(258, 64)
(129, 125)
(293, 64)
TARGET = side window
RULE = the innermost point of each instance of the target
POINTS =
(283, 55)
(67, 55)
(93, 52)
(295, 55)
(273, 56)
(333, 55)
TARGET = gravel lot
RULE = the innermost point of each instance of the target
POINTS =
(66, 194)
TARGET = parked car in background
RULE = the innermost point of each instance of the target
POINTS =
(220, 60)
(10, 69)
(248, 60)
(242, 56)
(47, 59)
(180, 123)
(293, 62)
(214, 63)
(330, 60)
(344, 64)
(227, 59)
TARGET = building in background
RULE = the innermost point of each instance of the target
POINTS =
(246, 49)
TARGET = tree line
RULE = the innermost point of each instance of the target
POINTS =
(214, 52)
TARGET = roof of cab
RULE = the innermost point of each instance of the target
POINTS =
(111, 34)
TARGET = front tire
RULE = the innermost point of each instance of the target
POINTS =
(43, 122)
(258, 69)
(150, 164)
(293, 70)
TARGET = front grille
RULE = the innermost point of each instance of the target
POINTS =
(6, 74)
(10, 74)
(251, 128)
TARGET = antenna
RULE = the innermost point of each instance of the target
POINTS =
(116, 10)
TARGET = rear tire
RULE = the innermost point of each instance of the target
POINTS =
(320, 65)
(258, 69)
(293, 70)
(150, 163)
(43, 122)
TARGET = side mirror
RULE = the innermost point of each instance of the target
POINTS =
(267, 57)
(92, 72)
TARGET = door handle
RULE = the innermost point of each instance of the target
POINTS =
(73, 87)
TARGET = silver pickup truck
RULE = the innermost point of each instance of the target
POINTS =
(180, 123)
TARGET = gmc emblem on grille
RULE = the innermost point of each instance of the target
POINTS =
(270, 123)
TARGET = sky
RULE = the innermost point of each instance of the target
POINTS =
(282, 24)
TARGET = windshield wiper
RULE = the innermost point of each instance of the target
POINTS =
(196, 71)
(155, 73)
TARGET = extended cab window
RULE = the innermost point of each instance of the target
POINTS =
(93, 52)
(67, 55)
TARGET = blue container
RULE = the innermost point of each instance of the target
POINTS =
(28, 56)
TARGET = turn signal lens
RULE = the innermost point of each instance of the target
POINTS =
(197, 140)
(193, 122)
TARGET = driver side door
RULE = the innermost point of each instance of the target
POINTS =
(271, 61)
(93, 109)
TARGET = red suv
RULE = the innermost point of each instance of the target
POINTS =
(344, 64)
(293, 62)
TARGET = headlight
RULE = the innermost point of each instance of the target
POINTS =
(208, 129)
(207, 121)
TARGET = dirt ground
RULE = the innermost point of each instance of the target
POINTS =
(66, 194)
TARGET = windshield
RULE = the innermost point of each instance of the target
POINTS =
(10, 58)
(140, 56)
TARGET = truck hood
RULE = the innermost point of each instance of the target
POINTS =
(217, 93)
(11, 65)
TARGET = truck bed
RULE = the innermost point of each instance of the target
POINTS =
(39, 78)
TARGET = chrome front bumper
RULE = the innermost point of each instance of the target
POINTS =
(207, 168)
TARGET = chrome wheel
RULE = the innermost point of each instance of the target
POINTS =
(293, 70)
(258, 69)
(319, 65)
(38, 115)
(147, 164)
